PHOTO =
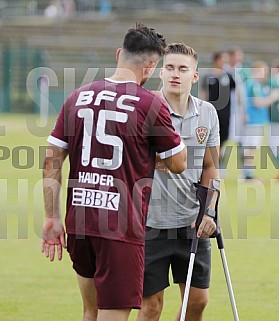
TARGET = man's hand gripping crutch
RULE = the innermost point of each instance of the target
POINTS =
(208, 199)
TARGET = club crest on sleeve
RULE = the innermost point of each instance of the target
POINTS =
(201, 133)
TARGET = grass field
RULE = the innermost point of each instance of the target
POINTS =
(33, 289)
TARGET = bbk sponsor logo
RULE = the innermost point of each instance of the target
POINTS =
(96, 199)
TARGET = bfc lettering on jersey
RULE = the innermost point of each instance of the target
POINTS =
(96, 199)
(95, 125)
(86, 98)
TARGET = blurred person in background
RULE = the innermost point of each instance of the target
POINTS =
(273, 138)
(54, 9)
(216, 88)
(238, 95)
(259, 100)
(60, 9)
(69, 7)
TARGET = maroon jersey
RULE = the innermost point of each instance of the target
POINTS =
(112, 131)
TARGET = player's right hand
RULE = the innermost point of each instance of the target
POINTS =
(53, 238)
(160, 165)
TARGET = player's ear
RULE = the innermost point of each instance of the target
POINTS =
(118, 50)
(161, 73)
(195, 78)
(149, 69)
(152, 64)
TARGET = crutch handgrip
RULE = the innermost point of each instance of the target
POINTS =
(204, 195)
(220, 242)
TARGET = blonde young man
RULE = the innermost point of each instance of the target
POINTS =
(111, 129)
(173, 206)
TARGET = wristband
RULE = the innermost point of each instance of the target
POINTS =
(211, 213)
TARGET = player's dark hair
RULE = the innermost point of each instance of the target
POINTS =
(180, 48)
(142, 39)
(217, 55)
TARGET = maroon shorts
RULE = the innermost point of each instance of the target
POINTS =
(117, 268)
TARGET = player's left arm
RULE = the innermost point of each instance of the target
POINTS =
(209, 172)
(53, 235)
(263, 102)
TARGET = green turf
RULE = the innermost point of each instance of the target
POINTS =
(33, 289)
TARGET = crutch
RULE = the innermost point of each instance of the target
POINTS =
(220, 244)
(204, 195)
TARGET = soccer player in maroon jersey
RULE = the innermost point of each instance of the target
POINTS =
(112, 130)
